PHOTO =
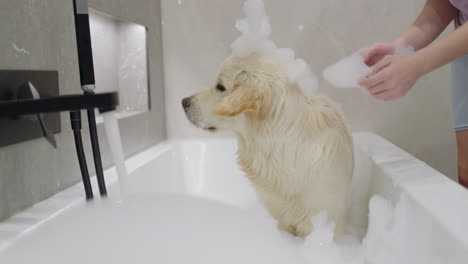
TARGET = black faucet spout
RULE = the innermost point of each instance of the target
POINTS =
(65, 103)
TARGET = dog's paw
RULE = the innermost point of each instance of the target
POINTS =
(286, 228)
(303, 228)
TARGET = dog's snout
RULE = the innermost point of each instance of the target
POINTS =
(186, 103)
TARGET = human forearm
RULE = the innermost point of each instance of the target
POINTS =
(443, 51)
(430, 23)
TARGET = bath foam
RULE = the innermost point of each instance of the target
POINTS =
(255, 31)
(347, 72)
(400, 234)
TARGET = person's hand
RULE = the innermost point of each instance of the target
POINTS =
(392, 77)
(376, 52)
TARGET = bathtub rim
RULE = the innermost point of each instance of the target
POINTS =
(422, 184)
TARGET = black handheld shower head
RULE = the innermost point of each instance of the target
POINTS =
(83, 41)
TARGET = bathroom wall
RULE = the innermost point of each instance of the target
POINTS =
(120, 60)
(198, 34)
(39, 35)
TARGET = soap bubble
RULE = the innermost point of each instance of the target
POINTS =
(255, 31)
(347, 72)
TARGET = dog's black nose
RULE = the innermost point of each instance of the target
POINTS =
(186, 103)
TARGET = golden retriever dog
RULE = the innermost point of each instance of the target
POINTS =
(297, 151)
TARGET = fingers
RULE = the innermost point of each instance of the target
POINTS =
(383, 96)
(384, 63)
(375, 53)
(369, 55)
(377, 89)
(364, 52)
(373, 79)
(371, 61)
(385, 93)
(377, 75)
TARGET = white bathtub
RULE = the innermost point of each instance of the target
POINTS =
(175, 187)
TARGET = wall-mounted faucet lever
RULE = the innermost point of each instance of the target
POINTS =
(28, 91)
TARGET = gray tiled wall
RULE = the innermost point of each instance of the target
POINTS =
(39, 35)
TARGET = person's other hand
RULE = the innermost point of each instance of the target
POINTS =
(392, 77)
(376, 53)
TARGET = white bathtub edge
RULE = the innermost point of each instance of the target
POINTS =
(429, 188)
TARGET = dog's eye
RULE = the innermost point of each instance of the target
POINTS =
(220, 88)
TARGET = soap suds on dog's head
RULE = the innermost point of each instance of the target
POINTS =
(347, 72)
(255, 31)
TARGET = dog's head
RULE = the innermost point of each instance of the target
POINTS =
(246, 86)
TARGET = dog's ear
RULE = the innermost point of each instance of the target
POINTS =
(244, 97)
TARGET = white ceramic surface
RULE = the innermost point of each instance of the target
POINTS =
(205, 170)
